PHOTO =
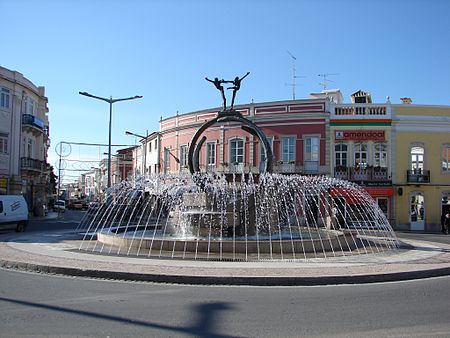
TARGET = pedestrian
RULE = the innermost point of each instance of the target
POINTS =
(447, 224)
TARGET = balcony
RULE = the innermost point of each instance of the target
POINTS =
(310, 167)
(237, 168)
(341, 172)
(361, 111)
(368, 174)
(27, 163)
(284, 167)
(33, 123)
(417, 176)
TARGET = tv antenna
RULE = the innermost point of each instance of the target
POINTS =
(294, 76)
(325, 81)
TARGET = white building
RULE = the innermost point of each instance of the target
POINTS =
(24, 139)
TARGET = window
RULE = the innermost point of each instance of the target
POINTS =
(183, 156)
(3, 143)
(149, 147)
(30, 148)
(340, 155)
(166, 159)
(380, 155)
(4, 98)
(312, 149)
(383, 203)
(236, 151)
(288, 148)
(263, 156)
(417, 156)
(211, 154)
(361, 155)
(29, 106)
(445, 157)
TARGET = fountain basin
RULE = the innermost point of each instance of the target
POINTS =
(327, 241)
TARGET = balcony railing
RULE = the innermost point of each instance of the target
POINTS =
(28, 163)
(311, 167)
(236, 168)
(361, 110)
(284, 167)
(418, 176)
(28, 119)
(376, 174)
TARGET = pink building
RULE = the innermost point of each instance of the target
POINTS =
(297, 131)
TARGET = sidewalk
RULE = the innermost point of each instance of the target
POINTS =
(57, 252)
(50, 215)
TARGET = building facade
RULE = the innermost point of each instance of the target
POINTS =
(398, 153)
(297, 131)
(121, 165)
(24, 139)
(422, 165)
(361, 147)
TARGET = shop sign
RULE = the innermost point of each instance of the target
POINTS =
(378, 184)
(360, 135)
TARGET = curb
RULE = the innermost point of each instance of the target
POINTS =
(214, 280)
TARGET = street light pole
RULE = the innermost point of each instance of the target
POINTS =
(110, 101)
(144, 148)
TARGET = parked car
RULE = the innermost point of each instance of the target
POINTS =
(77, 205)
(13, 212)
(60, 206)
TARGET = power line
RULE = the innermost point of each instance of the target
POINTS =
(98, 144)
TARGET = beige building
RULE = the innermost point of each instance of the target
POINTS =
(422, 165)
(24, 139)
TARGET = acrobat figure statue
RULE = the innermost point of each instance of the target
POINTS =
(218, 84)
(236, 86)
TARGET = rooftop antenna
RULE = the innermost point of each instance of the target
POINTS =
(294, 76)
(325, 80)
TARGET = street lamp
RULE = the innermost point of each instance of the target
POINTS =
(110, 101)
(145, 147)
(174, 157)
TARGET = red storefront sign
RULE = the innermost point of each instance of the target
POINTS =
(360, 135)
(349, 195)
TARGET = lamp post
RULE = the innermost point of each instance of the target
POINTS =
(110, 101)
(145, 147)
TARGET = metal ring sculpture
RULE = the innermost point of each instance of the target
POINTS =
(227, 116)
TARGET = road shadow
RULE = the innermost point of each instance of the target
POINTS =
(204, 325)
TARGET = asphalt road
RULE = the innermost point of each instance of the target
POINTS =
(44, 305)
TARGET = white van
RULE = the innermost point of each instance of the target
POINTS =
(13, 212)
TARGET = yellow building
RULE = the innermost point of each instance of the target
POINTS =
(421, 165)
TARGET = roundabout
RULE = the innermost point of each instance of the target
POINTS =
(57, 253)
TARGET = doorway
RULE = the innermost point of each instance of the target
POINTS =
(417, 211)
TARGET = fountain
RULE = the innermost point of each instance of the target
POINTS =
(236, 216)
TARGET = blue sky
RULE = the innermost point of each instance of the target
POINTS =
(164, 49)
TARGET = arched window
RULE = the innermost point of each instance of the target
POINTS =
(361, 155)
(380, 155)
(417, 157)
